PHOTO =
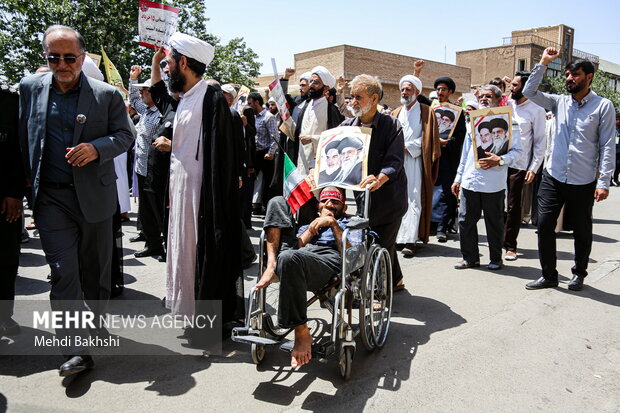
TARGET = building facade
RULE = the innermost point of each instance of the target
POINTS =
(350, 61)
(521, 51)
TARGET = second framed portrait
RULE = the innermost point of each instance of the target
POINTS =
(491, 131)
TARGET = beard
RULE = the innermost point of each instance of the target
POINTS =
(359, 111)
(407, 101)
(573, 87)
(315, 94)
(443, 127)
(516, 95)
(177, 81)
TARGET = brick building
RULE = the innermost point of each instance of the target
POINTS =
(350, 61)
(521, 51)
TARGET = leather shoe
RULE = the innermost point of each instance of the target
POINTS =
(494, 266)
(576, 284)
(137, 238)
(462, 265)
(409, 250)
(541, 283)
(76, 364)
(148, 252)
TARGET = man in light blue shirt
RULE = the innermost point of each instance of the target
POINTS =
(483, 191)
(581, 149)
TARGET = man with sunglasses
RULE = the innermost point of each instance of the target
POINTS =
(71, 128)
(483, 191)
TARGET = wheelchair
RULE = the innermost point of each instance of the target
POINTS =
(364, 285)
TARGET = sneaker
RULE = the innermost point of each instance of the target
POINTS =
(510, 256)
(442, 236)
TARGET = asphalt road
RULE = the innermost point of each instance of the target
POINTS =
(470, 340)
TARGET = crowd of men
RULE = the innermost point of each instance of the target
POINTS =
(204, 162)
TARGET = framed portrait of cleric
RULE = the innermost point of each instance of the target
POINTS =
(491, 131)
(342, 157)
(447, 117)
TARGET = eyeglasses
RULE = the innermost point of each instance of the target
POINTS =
(70, 59)
(442, 89)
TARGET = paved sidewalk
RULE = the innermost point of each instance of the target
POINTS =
(470, 340)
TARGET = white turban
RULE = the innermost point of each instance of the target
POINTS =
(307, 76)
(327, 78)
(472, 103)
(192, 47)
(228, 88)
(90, 69)
(411, 79)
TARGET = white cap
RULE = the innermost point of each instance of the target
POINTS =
(230, 89)
(144, 85)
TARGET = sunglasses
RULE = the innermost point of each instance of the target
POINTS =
(486, 96)
(52, 59)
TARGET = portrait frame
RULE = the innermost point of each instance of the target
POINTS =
(456, 111)
(342, 157)
(484, 122)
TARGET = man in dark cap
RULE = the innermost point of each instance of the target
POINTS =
(444, 202)
(351, 163)
(499, 130)
(445, 119)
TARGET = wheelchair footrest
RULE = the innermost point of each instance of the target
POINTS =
(319, 350)
(244, 335)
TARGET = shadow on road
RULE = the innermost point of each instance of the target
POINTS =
(415, 319)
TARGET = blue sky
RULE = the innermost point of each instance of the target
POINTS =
(279, 29)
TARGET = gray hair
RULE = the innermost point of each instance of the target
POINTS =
(61, 28)
(371, 83)
(496, 91)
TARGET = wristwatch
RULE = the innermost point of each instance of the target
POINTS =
(501, 161)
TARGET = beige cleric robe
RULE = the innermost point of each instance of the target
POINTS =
(431, 151)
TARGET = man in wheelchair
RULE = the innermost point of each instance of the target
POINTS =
(304, 260)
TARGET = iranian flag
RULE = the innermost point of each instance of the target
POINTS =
(296, 189)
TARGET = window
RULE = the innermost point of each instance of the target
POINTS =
(521, 65)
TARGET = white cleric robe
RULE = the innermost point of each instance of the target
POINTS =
(313, 124)
(411, 121)
(186, 166)
(122, 182)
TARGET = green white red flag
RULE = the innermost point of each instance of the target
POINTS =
(296, 190)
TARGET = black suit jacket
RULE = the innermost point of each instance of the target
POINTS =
(12, 174)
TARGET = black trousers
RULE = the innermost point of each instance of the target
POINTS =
(79, 254)
(10, 243)
(387, 239)
(516, 180)
(300, 270)
(579, 199)
(472, 205)
(267, 167)
(150, 214)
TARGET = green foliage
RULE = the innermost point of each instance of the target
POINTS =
(600, 85)
(112, 24)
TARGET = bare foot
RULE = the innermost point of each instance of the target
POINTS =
(302, 350)
(268, 277)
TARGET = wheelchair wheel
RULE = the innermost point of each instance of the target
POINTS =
(376, 298)
(258, 353)
(270, 322)
(345, 361)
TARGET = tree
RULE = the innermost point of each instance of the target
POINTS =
(601, 85)
(110, 24)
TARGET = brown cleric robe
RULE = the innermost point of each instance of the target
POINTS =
(431, 152)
